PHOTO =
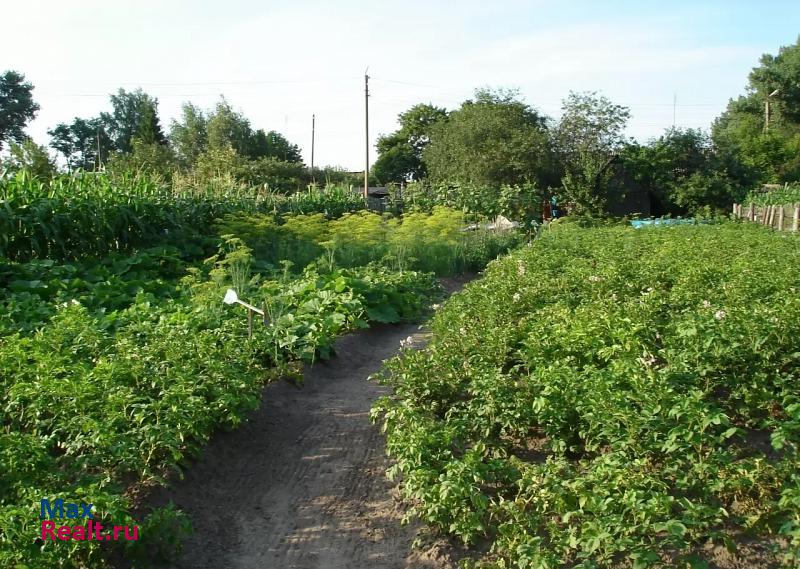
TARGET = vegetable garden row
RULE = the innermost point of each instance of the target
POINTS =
(118, 358)
(612, 397)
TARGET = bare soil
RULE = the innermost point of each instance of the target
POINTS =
(302, 484)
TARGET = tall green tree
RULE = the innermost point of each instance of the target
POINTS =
(228, 128)
(491, 140)
(681, 172)
(17, 106)
(752, 153)
(79, 141)
(31, 157)
(189, 135)
(134, 115)
(588, 139)
(400, 153)
(272, 144)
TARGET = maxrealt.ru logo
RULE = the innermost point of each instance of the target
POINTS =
(92, 531)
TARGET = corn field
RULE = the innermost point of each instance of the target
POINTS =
(93, 215)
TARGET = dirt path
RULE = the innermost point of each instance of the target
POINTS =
(302, 484)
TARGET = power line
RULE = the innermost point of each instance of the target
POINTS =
(202, 83)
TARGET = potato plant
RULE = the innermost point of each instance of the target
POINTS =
(610, 397)
(112, 373)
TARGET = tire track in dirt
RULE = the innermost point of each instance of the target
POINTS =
(302, 484)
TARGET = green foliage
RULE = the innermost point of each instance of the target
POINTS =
(32, 158)
(682, 173)
(277, 175)
(400, 153)
(189, 136)
(587, 140)
(610, 396)
(17, 107)
(755, 156)
(94, 214)
(114, 372)
(153, 159)
(228, 129)
(89, 214)
(275, 146)
(32, 291)
(493, 140)
(789, 194)
(134, 116)
(520, 202)
(433, 242)
(80, 142)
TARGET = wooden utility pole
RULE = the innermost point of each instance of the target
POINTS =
(366, 132)
(313, 120)
(97, 160)
(766, 115)
(767, 109)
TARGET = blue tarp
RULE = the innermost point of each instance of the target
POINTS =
(637, 223)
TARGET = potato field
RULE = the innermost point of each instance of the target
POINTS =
(612, 397)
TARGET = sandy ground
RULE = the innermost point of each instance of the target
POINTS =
(302, 484)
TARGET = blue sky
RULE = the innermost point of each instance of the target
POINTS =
(279, 62)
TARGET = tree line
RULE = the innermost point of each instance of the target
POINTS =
(496, 140)
(199, 147)
(492, 143)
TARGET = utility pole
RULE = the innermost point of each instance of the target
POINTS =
(97, 160)
(313, 179)
(766, 109)
(366, 133)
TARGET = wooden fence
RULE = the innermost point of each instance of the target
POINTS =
(781, 217)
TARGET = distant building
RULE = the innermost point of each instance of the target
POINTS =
(378, 196)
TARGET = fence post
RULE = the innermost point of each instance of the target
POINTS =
(781, 215)
(796, 221)
(751, 216)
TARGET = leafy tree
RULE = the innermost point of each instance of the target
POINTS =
(753, 155)
(134, 115)
(17, 106)
(400, 153)
(779, 73)
(681, 172)
(78, 142)
(227, 128)
(189, 136)
(492, 140)
(273, 145)
(32, 158)
(277, 175)
(588, 140)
